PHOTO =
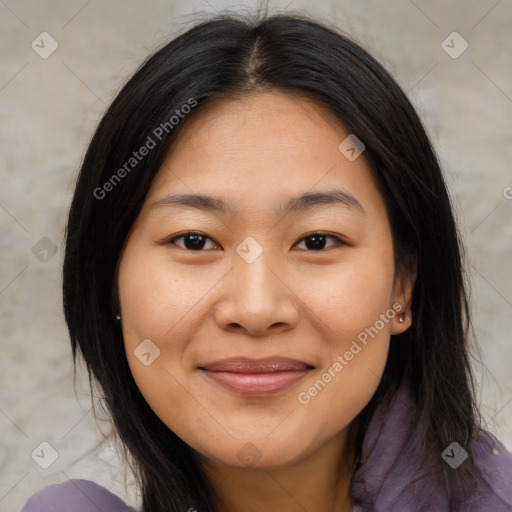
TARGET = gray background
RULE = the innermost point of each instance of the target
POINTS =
(49, 107)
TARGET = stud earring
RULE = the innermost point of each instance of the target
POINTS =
(402, 317)
(118, 318)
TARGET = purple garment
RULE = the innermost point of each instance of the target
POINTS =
(399, 476)
(394, 476)
(75, 496)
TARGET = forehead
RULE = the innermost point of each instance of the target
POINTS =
(262, 147)
(275, 118)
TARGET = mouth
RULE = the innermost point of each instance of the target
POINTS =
(251, 377)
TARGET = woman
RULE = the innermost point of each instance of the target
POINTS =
(264, 275)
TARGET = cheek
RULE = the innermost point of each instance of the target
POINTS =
(160, 303)
(350, 296)
(155, 294)
(350, 309)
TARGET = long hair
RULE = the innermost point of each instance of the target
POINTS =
(230, 56)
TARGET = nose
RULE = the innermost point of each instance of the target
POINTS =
(257, 299)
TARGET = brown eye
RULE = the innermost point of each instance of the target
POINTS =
(317, 241)
(192, 241)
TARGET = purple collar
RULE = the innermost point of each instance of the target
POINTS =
(399, 475)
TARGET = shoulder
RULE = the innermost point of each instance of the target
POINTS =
(494, 464)
(75, 496)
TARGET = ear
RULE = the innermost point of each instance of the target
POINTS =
(402, 294)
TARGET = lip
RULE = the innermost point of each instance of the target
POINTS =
(256, 377)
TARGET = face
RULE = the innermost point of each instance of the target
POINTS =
(309, 284)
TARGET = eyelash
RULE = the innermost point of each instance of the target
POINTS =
(339, 241)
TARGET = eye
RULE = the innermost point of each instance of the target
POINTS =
(195, 241)
(317, 241)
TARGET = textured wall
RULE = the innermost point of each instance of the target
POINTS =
(49, 107)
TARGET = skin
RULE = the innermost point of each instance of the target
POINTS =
(198, 306)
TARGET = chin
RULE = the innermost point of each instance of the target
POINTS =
(262, 453)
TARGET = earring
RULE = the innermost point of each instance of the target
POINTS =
(402, 317)
(118, 318)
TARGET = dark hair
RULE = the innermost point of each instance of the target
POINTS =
(234, 55)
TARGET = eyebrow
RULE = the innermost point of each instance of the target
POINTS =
(306, 201)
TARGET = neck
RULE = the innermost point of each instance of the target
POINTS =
(319, 482)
